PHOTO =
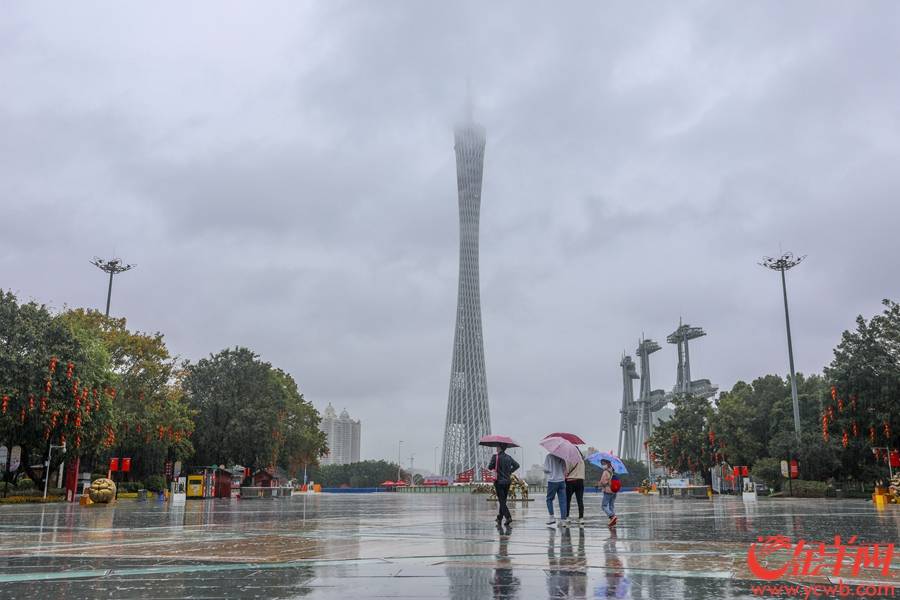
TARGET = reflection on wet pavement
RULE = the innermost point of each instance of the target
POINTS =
(407, 545)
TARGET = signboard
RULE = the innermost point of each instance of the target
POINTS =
(4, 454)
(15, 458)
(795, 469)
(784, 468)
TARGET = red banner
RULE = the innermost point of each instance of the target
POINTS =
(126, 465)
(114, 464)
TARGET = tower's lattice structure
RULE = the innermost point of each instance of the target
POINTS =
(468, 411)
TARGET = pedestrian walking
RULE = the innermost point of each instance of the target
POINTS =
(575, 487)
(609, 485)
(505, 465)
(555, 469)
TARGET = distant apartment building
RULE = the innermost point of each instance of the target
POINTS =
(343, 437)
(535, 475)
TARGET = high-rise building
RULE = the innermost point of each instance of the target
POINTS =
(343, 437)
(468, 412)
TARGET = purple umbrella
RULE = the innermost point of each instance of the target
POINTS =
(563, 449)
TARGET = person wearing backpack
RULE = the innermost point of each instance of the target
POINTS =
(610, 486)
(504, 465)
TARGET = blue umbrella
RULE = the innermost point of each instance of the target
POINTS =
(617, 464)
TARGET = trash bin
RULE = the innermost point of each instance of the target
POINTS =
(142, 495)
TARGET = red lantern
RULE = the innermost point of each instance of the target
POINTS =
(30, 402)
(77, 441)
(70, 369)
(48, 386)
(872, 434)
(5, 404)
(44, 404)
(53, 362)
(855, 428)
(712, 437)
(833, 392)
(887, 431)
(845, 439)
(840, 405)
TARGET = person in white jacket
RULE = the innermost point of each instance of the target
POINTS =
(555, 468)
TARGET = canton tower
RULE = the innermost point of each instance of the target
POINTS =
(468, 413)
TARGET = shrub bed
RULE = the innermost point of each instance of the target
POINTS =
(31, 499)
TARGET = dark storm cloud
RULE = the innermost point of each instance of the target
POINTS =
(284, 178)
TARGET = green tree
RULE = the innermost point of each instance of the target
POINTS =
(683, 442)
(55, 385)
(860, 412)
(153, 421)
(250, 413)
(368, 473)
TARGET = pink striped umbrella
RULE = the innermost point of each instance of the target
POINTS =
(563, 449)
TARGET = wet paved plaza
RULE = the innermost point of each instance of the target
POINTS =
(408, 546)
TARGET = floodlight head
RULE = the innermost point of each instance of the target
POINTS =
(782, 263)
(113, 266)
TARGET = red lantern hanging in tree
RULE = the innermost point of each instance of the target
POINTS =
(833, 392)
(70, 369)
(872, 435)
(48, 386)
(53, 363)
(825, 427)
(845, 439)
(887, 431)
(31, 402)
(840, 404)
(855, 429)
(44, 404)
(5, 404)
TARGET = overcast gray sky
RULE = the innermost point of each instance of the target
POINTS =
(283, 176)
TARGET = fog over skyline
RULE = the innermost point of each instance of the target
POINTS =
(283, 176)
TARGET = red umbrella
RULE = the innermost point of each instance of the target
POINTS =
(497, 440)
(569, 437)
(388, 483)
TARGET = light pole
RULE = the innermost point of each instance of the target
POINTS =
(784, 263)
(47, 465)
(113, 266)
(437, 468)
(399, 459)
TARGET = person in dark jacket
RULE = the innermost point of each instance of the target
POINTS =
(505, 465)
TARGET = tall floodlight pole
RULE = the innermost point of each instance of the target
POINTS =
(113, 266)
(399, 460)
(784, 263)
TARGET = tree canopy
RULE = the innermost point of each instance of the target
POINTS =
(250, 413)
